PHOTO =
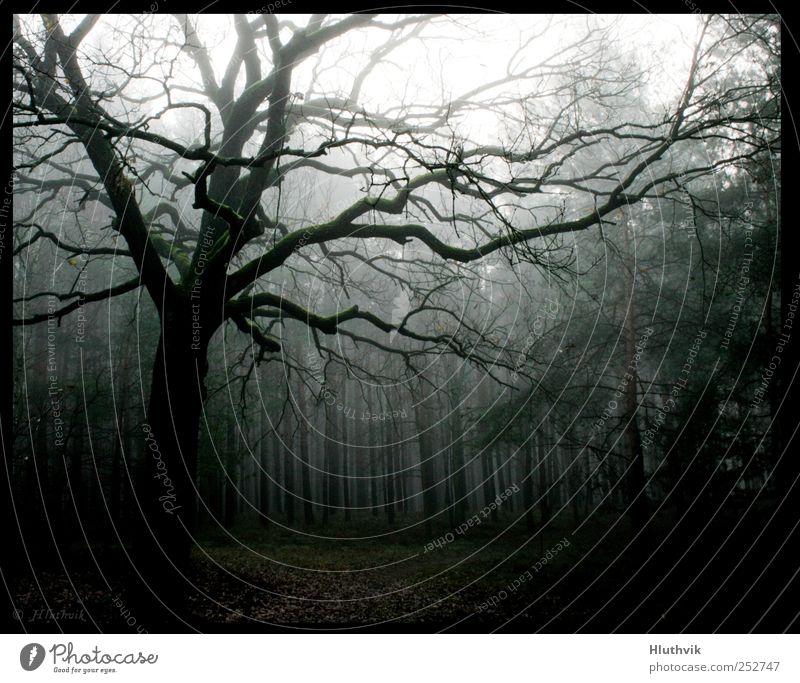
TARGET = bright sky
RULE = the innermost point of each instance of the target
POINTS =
(453, 65)
(460, 53)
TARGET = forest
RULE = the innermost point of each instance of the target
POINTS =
(398, 323)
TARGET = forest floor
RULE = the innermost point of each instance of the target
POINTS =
(407, 578)
(492, 577)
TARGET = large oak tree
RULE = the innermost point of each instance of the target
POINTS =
(222, 178)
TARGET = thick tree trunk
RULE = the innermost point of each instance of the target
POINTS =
(166, 491)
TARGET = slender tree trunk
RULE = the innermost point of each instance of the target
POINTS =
(486, 476)
(541, 466)
(334, 460)
(637, 481)
(501, 470)
(588, 498)
(575, 488)
(132, 457)
(263, 483)
(527, 484)
(391, 494)
(345, 450)
(448, 487)
(373, 474)
(774, 393)
(400, 468)
(389, 466)
(230, 474)
(493, 479)
(288, 475)
(556, 480)
(115, 493)
(362, 482)
(511, 466)
(305, 462)
(485, 457)
(76, 494)
(427, 472)
(327, 461)
(120, 442)
(459, 467)
(401, 494)
(39, 481)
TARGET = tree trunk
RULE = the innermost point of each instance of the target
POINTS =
(332, 456)
(400, 482)
(500, 467)
(120, 445)
(389, 466)
(541, 466)
(40, 484)
(305, 464)
(345, 450)
(493, 482)
(288, 474)
(231, 469)
(115, 493)
(372, 454)
(427, 472)
(588, 491)
(486, 476)
(527, 484)
(637, 481)
(448, 487)
(263, 484)
(459, 467)
(166, 490)
(575, 488)
(327, 461)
